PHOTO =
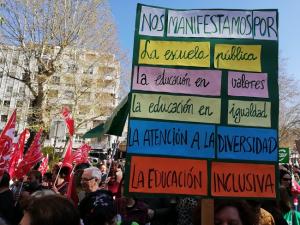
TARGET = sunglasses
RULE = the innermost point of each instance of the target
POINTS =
(286, 179)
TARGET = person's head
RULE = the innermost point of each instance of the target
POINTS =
(4, 180)
(236, 212)
(81, 166)
(42, 193)
(2, 221)
(114, 165)
(34, 180)
(285, 179)
(50, 210)
(284, 200)
(90, 179)
(101, 216)
(64, 172)
(296, 175)
(47, 179)
(103, 168)
(78, 173)
(35, 176)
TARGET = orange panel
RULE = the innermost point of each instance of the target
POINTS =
(168, 176)
(243, 180)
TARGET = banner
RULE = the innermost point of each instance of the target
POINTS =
(283, 155)
(204, 89)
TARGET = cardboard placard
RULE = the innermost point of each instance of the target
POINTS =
(204, 89)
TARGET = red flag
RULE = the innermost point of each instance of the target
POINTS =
(68, 119)
(71, 192)
(32, 157)
(67, 161)
(18, 152)
(81, 154)
(6, 143)
(44, 165)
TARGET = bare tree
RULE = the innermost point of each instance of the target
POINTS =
(42, 31)
(289, 107)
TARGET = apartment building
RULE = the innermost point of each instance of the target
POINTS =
(87, 82)
(13, 93)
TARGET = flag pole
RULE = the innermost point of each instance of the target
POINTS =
(112, 157)
(58, 170)
(57, 175)
(18, 195)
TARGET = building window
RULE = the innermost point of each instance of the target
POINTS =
(85, 96)
(22, 90)
(9, 89)
(3, 118)
(2, 60)
(72, 68)
(55, 80)
(70, 107)
(86, 82)
(26, 62)
(15, 61)
(69, 94)
(12, 74)
(53, 93)
(91, 70)
(6, 103)
(85, 71)
(90, 56)
(69, 81)
(19, 104)
(83, 110)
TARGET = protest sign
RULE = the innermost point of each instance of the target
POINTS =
(204, 95)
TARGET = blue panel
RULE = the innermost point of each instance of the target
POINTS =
(173, 139)
(257, 144)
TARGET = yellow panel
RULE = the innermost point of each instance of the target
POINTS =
(176, 108)
(238, 57)
(249, 113)
(174, 53)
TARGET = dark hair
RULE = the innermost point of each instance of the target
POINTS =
(37, 174)
(4, 180)
(246, 213)
(52, 210)
(81, 166)
(100, 216)
(48, 175)
(98, 209)
(282, 173)
(2, 221)
(284, 201)
(64, 172)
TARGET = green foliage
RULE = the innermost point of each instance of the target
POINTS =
(53, 156)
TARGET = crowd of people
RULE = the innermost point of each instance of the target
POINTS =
(92, 195)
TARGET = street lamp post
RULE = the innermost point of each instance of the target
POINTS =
(55, 137)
